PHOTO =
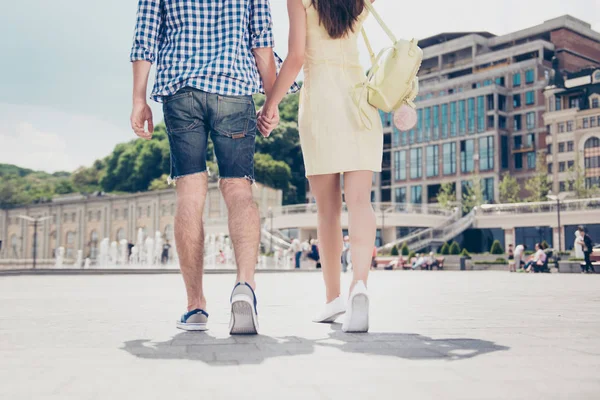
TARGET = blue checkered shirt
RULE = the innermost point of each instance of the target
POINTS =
(204, 44)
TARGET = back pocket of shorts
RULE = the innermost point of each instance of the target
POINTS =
(236, 117)
(178, 111)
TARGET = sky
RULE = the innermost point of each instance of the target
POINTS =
(65, 76)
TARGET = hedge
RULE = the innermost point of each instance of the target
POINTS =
(496, 248)
(454, 248)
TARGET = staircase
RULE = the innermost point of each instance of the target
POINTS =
(451, 228)
(278, 241)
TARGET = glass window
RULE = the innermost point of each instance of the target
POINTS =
(586, 123)
(453, 119)
(501, 102)
(487, 82)
(400, 165)
(573, 102)
(416, 163)
(561, 128)
(411, 136)
(550, 149)
(436, 122)
(570, 164)
(517, 123)
(570, 145)
(471, 115)
(505, 156)
(461, 118)
(444, 121)
(486, 153)
(395, 137)
(517, 79)
(530, 98)
(531, 160)
(561, 186)
(557, 103)
(595, 103)
(531, 120)
(480, 114)
(518, 161)
(400, 195)
(125, 213)
(449, 158)
(404, 139)
(561, 147)
(419, 124)
(433, 160)
(516, 100)
(549, 168)
(592, 122)
(569, 126)
(561, 166)
(466, 155)
(488, 190)
(500, 81)
(427, 123)
(529, 76)
(416, 194)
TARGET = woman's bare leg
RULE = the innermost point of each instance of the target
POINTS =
(357, 189)
(328, 193)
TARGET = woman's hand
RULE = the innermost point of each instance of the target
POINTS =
(268, 119)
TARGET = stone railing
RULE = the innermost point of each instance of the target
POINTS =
(539, 207)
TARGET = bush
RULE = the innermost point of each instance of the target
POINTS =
(496, 248)
(465, 253)
(445, 249)
(544, 245)
(455, 248)
(576, 259)
(404, 249)
(395, 251)
(528, 252)
(411, 255)
(501, 260)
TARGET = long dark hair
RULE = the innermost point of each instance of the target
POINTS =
(338, 16)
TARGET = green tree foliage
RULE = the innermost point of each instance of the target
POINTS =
(404, 249)
(509, 189)
(395, 251)
(577, 182)
(538, 185)
(465, 253)
(496, 248)
(276, 174)
(445, 250)
(411, 255)
(473, 196)
(159, 183)
(455, 248)
(446, 197)
(22, 186)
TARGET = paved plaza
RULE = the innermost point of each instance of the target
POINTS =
(434, 335)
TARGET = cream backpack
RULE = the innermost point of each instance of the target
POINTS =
(392, 80)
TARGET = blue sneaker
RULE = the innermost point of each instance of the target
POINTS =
(244, 317)
(194, 320)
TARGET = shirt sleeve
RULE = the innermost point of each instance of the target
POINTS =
(261, 25)
(147, 31)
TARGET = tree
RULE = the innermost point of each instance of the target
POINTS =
(577, 182)
(509, 189)
(473, 196)
(276, 174)
(395, 251)
(445, 250)
(446, 197)
(465, 253)
(159, 183)
(411, 255)
(496, 248)
(538, 185)
(454, 248)
(404, 249)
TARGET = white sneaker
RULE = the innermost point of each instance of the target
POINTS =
(357, 314)
(332, 311)
(244, 316)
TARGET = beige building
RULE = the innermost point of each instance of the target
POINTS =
(78, 222)
(573, 122)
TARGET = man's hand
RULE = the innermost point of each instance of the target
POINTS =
(141, 115)
(268, 119)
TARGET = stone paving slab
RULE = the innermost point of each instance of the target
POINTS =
(442, 335)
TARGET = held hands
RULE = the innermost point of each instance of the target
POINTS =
(268, 119)
(140, 115)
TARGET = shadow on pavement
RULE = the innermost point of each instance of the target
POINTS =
(201, 346)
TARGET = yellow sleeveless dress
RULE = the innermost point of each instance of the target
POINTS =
(332, 135)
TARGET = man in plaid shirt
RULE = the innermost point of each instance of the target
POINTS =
(210, 57)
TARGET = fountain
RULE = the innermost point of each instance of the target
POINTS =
(148, 253)
(87, 263)
(158, 245)
(103, 255)
(60, 257)
(124, 251)
(79, 261)
(112, 254)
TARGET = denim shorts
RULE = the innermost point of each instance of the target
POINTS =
(191, 115)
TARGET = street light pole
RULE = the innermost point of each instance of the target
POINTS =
(35, 221)
(271, 231)
(558, 198)
(383, 225)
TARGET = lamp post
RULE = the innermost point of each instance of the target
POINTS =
(271, 231)
(35, 222)
(382, 225)
(558, 198)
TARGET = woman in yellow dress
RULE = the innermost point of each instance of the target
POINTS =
(335, 140)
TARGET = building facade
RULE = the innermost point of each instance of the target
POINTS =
(78, 222)
(480, 109)
(573, 124)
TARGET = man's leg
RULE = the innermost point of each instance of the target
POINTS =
(189, 234)
(298, 255)
(588, 262)
(244, 226)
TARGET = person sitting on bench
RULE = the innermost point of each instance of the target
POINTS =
(538, 260)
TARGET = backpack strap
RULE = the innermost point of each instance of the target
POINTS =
(380, 21)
